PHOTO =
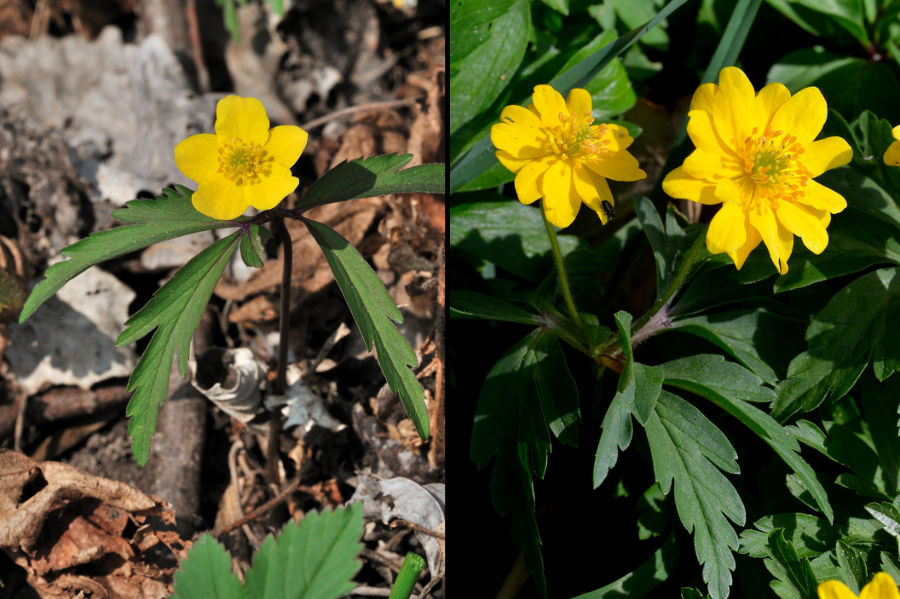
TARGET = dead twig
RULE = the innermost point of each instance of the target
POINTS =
(416, 527)
(358, 108)
(290, 488)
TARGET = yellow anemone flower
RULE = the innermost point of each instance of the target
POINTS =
(892, 154)
(882, 586)
(756, 154)
(559, 154)
(244, 163)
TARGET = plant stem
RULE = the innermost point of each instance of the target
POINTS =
(561, 270)
(283, 339)
(407, 577)
(656, 318)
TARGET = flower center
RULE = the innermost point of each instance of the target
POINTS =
(772, 163)
(577, 137)
(242, 162)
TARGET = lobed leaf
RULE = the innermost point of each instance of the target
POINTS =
(373, 176)
(791, 569)
(169, 215)
(205, 573)
(509, 428)
(174, 311)
(375, 314)
(853, 329)
(312, 559)
(704, 497)
(730, 387)
(642, 579)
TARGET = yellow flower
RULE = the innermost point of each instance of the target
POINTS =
(558, 154)
(756, 155)
(244, 163)
(892, 155)
(882, 586)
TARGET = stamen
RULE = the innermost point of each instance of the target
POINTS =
(577, 137)
(243, 162)
(772, 164)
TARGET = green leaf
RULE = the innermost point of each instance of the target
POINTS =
(653, 516)
(755, 338)
(642, 579)
(373, 176)
(471, 304)
(851, 561)
(488, 44)
(205, 573)
(638, 386)
(704, 497)
(507, 234)
(147, 222)
(556, 389)
(479, 157)
(851, 330)
(636, 13)
(653, 228)
(810, 535)
(315, 559)
(730, 389)
(792, 569)
(252, 251)
(509, 426)
(888, 516)
(175, 311)
(610, 89)
(373, 310)
(819, 16)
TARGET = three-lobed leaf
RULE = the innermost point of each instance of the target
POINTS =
(375, 314)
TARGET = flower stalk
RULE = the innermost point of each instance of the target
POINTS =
(561, 270)
(280, 383)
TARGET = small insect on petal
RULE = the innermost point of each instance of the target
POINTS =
(609, 209)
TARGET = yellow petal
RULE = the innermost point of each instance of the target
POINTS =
(520, 142)
(800, 222)
(619, 136)
(269, 192)
(683, 186)
(892, 155)
(704, 97)
(560, 204)
(526, 183)
(779, 241)
(593, 190)
(768, 100)
(242, 118)
(802, 116)
(703, 134)
(517, 115)
(549, 104)
(704, 165)
(739, 256)
(896, 132)
(197, 157)
(834, 589)
(221, 199)
(735, 108)
(511, 162)
(579, 101)
(823, 198)
(620, 166)
(727, 230)
(286, 143)
(882, 586)
(826, 154)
